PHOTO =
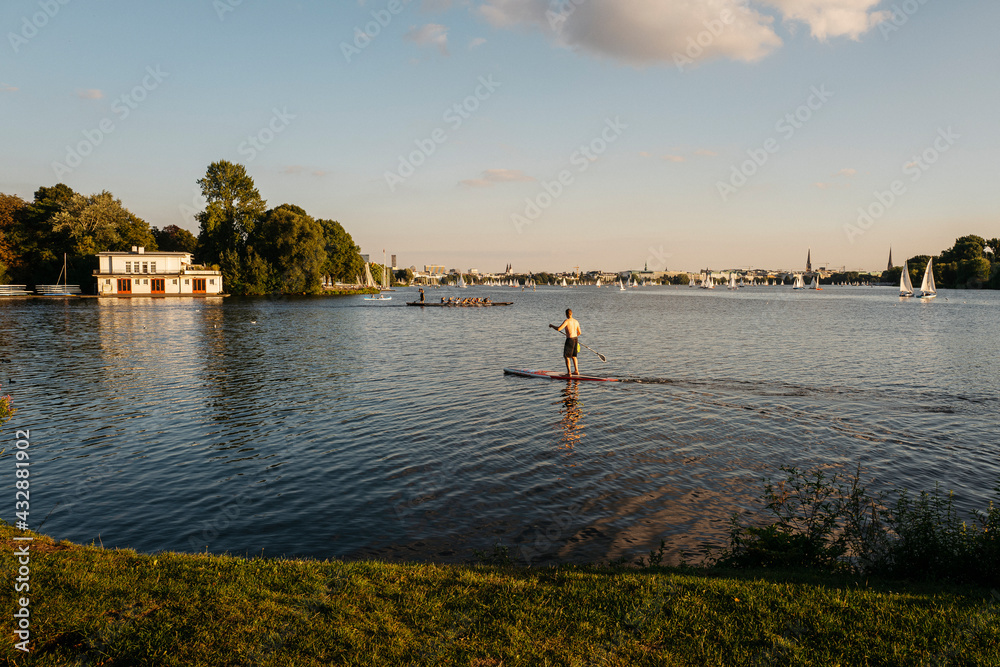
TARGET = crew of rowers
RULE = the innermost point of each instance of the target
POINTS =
(468, 301)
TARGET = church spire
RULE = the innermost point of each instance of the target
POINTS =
(890, 258)
(809, 264)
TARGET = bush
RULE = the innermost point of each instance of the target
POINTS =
(835, 525)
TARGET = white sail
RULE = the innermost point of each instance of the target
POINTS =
(927, 288)
(564, 282)
(905, 286)
(598, 282)
(813, 285)
(732, 281)
(461, 281)
(800, 282)
(369, 281)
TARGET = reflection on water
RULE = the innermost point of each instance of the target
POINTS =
(331, 427)
(572, 415)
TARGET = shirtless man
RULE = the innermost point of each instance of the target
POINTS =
(572, 329)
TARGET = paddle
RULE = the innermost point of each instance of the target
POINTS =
(599, 355)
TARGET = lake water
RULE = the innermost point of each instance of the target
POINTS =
(332, 427)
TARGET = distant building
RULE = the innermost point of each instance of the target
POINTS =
(393, 262)
(141, 273)
(434, 269)
(890, 259)
(809, 264)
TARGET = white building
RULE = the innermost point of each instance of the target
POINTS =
(141, 273)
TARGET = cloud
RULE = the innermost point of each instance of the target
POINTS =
(90, 94)
(432, 34)
(491, 177)
(847, 172)
(478, 41)
(4, 88)
(644, 154)
(674, 158)
(642, 32)
(704, 152)
(294, 169)
(832, 18)
(320, 172)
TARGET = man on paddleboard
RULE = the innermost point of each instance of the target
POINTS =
(572, 345)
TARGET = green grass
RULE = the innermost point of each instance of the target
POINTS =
(91, 606)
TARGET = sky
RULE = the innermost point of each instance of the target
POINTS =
(545, 134)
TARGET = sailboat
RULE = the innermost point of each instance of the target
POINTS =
(369, 281)
(564, 283)
(905, 286)
(814, 284)
(732, 281)
(621, 285)
(800, 283)
(598, 282)
(707, 282)
(461, 281)
(927, 288)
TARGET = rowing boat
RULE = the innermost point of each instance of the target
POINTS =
(432, 304)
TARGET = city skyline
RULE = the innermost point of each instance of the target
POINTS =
(544, 134)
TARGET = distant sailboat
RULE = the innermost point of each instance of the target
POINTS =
(564, 283)
(905, 286)
(369, 281)
(927, 288)
(800, 282)
(732, 281)
(621, 285)
(461, 281)
(598, 282)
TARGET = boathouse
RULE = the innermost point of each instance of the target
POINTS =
(154, 273)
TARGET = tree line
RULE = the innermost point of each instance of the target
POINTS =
(258, 250)
(971, 263)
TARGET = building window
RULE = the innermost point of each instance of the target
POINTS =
(174, 281)
(211, 281)
(128, 267)
(187, 282)
(152, 267)
(108, 281)
(145, 267)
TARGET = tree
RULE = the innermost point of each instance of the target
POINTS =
(234, 208)
(99, 223)
(292, 242)
(232, 213)
(12, 209)
(965, 248)
(175, 239)
(343, 256)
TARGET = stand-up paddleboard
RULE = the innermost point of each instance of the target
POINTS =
(555, 375)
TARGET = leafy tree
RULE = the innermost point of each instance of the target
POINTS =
(965, 248)
(233, 211)
(12, 209)
(175, 239)
(973, 273)
(99, 223)
(292, 242)
(234, 208)
(343, 256)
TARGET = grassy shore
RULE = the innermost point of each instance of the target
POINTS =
(94, 606)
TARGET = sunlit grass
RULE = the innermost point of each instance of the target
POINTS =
(116, 607)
